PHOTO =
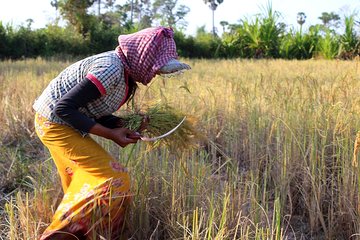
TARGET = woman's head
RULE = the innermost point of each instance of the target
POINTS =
(145, 52)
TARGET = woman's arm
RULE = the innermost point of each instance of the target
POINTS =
(67, 108)
(122, 136)
(110, 121)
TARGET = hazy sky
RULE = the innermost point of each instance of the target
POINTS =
(17, 11)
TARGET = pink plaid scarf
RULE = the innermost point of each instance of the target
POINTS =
(143, 53)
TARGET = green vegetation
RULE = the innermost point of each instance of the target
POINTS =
(278, 163)
(261, 36)
(162, 119)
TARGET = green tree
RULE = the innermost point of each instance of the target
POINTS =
(4, 46)
(99, 7)
(259, 38)
(29, 21)
(132, 11)
(224, 24)
(271, 32)
(213, 4)
(329, 19)
(55, 4)
(296, 45)
(169, 14)
(75, 11)
(116, 16)
(328, 46)
(349, 41)
(143, 12)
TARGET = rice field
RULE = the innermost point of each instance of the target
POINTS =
(277, 162)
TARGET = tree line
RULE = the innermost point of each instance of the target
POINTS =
(94, 25)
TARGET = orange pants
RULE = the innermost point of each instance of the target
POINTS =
(96, 186)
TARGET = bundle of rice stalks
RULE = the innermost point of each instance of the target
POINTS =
(161, 119)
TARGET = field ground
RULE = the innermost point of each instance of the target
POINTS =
(277, 162)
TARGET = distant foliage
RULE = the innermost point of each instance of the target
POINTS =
(262, 36)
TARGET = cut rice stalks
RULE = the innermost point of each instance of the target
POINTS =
(161, 119)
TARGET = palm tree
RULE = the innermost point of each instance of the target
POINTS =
(99, 7)
(213, 4)
(55, 4)
(132, 11)
(349, 41)
(301, 19)
(29, 22)
(224, 24)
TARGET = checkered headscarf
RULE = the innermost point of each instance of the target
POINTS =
(143, 53)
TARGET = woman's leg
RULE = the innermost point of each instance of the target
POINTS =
(96, 187)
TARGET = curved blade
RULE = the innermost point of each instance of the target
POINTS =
(147, 139)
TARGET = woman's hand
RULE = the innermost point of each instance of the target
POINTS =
(143, 125)
(124, 136)
(144, 122)
(121, 136)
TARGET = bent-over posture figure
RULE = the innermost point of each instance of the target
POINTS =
(81, 100)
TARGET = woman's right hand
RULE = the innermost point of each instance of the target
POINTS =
(124, 136)
(121, 136)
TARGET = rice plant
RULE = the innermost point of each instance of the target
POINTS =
(276, 162)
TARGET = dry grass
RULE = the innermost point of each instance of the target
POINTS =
(278, 163)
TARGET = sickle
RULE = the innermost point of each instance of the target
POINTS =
(147, 139)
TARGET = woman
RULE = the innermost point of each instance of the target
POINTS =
(80, 100)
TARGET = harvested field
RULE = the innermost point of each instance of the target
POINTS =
(277, 163)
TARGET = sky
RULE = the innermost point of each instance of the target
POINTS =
(17, 12)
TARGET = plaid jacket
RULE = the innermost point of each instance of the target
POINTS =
(105, 70)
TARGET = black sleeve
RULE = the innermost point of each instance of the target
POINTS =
(109, 121)
(67, 107)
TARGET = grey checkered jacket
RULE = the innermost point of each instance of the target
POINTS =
(105, 70)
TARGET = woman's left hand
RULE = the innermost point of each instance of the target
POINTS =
(144, 123)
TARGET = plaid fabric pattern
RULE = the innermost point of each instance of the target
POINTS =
(143, 53)
(105, 70)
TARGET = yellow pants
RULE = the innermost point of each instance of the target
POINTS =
(96, 186)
